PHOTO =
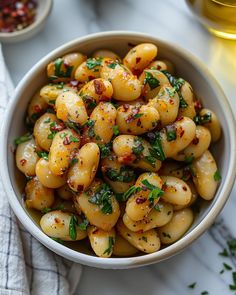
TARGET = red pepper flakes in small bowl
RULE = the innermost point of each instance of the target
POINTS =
(16, 15)
(21, 19)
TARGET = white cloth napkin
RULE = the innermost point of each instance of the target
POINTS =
(26, 266)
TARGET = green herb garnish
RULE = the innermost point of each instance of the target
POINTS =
(227, 267)
(151, 81)
(217, 176)
(46, 210)
(105, 150)
(58, 72)
(132, 190)
(137, 147)
(102, 197)
(201, 120)
(182, 102)
(58, 240)
(83, 225)
(155, 192)
(72, 227)
(125, 174)
(110, 246)
(43, 155)
(112, 65)
(156, 150)
(136, 116)
(224, 253)
(115, 130)
(90, 124)
(150, 160)
(91, 63)
(22, 139)
(170, 132)
(73, 138)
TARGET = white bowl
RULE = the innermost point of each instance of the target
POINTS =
(43, 10)
(187, 67)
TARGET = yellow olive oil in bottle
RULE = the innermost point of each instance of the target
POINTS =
(218, 16)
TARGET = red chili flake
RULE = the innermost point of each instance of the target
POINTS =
(99, 87)
(179, 119)
(23, 162)
(139, 122)
(16, 15)
(181, 131)
(185, 188)
(134, 112)
(141, 200)
(91, 77)
(195, 141)
(57, 220)
(95, 231)
(37, 109)
(198, 105)
(164, 187)
(171, 101)
(127, 159)
(126, 107)
(158, 67)
(58, 127)
(80, 188)
(66, 140)
(138, 59)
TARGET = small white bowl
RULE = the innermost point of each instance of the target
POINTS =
(43, 10)
(187, 67)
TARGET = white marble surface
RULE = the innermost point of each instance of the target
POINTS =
(170, 20)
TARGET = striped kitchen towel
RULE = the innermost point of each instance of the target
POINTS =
(26, 266)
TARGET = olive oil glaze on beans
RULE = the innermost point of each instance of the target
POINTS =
(117, 156)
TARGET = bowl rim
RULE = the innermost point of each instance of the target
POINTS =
(124, 262)
(39, 20)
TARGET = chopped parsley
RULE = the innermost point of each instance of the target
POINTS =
(115, 130)
(43, 155)
(155, 192)
(60, 73)
(157, 208)
(92, 63)
(156, 150)
(22, 139)
(46, 210)
(150, 160)
(102, 197)
(73, 125)
(204, 293)
(90, 124)
(182, 102)
(137, 147)
(73, 161)
(177, 83)
(73, 138)
(233, 287)
(72, 227)
(232, 246)
(105, 150)
(224, 253)
(112, 65)
(108, 251)
(89, 100)
(151, 81)
(83, 225)
(136, 116)
(170, 132)
(217, 176)
(200, 120)
(188, 159)
(132, 190)
(125, 174)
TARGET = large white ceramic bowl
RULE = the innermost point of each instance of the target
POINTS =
(187, 67)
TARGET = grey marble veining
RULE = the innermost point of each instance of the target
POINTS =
(170, 20)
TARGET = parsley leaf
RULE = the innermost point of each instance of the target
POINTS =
(192, 286)
(156, 150)
(132, 190)
(59, 72)
(125, 174)
(43, 155)
(91, 63)
(58, 240)
(112, 65)
(200, 120)
(105, 150)
(102, 197)
(115, 130)
(151, 81)
(22, 139)
(72, 227)
(170, 132)
(137, 147)
(217, 176)
(83, 225)
(90, 123)
(110, 246)
(136, 116)
(155, 192)
(73, 139)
